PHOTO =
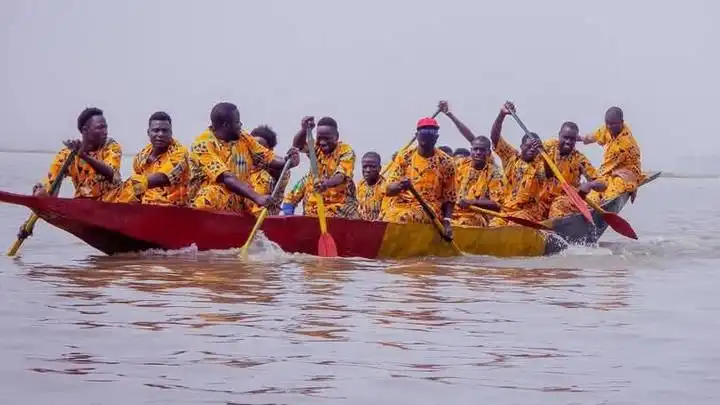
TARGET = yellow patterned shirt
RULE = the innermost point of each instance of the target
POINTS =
(174, 164)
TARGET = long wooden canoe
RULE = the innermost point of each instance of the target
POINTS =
(118, 228)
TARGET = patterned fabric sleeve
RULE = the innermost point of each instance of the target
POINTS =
(175, 165)
(397, 169)
(346, 161)
(602, 136)
(298, 192)
(496, 186)
(449, 193)
(587, 168)
(206, 152)
(506, 152)
(261, 156)
(55, 166)
(113, 158)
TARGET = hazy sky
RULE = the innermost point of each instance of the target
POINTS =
(376, 66)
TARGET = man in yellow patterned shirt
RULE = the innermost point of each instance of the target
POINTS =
(227, 156)
(96, 167)
(525, 179)
(430, 171)
(336, 164)
(371, 190)
(573, 165)
(161, 169)
(263, 179)
(621, 167)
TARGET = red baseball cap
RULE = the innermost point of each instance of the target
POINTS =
(427, 122)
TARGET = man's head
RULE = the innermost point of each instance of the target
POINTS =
(225, 120)
(160, 130)
(480, 150)
(530, 146)
(371, 166)
(567, 137)
(614, 120)
(93, 127)
(427, 135)
(265, 136)
(446, 149)
(461, 153)
(327, 135)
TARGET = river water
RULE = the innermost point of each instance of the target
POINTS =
(626, 322)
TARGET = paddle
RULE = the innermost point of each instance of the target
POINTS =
(517, 220)
(264, 213)
(407, 145)
(616, 222)
(326, 243)
(569, 190)
(433, 217)
(54, 189)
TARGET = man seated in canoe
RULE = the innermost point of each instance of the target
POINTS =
(95, 170)
(621, 169)
(430, 171)
(371, 190)
(161, 169)
(573, 165)
(479, 181)
(227, 156)
(336, 164)
(262, 178)
(525, 178)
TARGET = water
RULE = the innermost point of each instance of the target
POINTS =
(623, 323)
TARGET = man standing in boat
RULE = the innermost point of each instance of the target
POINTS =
(371, 190)
(479, 181)
(263, 178)
(621, 169)
(525, 178)
(573, 165)
(161, 169)
(430, 171)
(227, 156)
(336, 164)
(96, 166)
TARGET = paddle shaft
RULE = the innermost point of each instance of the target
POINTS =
(264, 213)
(520, 221)
(407, 145)
(54, 189)
(316, 173)
(433, 217)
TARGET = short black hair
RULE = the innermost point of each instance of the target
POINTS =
(571, 125)
(372, 155)
(222, 114)
(528, 136)
(482, 138)
(615, 111)
(327, 122)
(159, 116)
(446, 149)
(461, 152)
(85, 116)
(266, 133)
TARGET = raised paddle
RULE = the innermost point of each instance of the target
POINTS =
(28, 226)
(407, 145)
(517, 220)
(326, 243)
(264, 213)
(569, 190)
(433, 217)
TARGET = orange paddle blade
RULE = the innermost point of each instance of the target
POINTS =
(578, 201)
(326, 246)
(528, 223)
(619, 225)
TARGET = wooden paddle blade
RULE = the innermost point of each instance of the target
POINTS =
(619, 225)
(326, 246)
(577, 201)
(528, 223)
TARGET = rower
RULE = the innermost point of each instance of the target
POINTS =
(336, 164)
(161, 169)
(430, 171)
(621, 168)
(227, 156)
(371, 190)
(479, 181)
(524, 173)
(96, 169)
(262, 178)
(573, 165)
(294, 196)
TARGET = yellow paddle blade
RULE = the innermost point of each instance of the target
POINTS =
(253, 232)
